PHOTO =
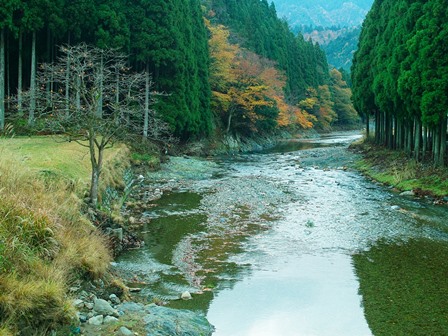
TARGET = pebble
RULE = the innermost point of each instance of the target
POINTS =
(186, 295)
(96, 320)
(82, 318)
(395, 207)
(78, 303)
(114, 299)
(110, 319)
(123, 331)
(407, 193)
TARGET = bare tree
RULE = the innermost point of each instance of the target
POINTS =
(100, 102)
(2, 79)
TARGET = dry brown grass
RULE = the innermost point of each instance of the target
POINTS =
(45, 243)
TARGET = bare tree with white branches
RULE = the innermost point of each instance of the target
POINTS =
(97, 101)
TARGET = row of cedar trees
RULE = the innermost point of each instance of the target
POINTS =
(254, 80)
(400, 75)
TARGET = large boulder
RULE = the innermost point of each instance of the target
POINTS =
(162, 321)
(103, 307)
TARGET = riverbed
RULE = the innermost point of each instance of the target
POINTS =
(291, 241)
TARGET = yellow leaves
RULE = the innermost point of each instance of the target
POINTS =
(221, 101)
(247, 88)
(304, 119)
(222, 58)
(308, 104)
(292, 115)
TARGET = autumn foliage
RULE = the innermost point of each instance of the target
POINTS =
(248, 90)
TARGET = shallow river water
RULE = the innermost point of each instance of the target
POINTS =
(293, 242)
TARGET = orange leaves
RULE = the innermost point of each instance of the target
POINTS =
(293, 115)
(247, 89)
(319, 104)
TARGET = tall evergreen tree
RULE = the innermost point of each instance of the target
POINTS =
(402, 53)
(6, 23)
(171, 38)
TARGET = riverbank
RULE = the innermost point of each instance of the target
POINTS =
(48, 243)
(403, 174)
(234, 144)
(56, 251)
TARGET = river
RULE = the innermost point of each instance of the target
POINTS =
(292, 242)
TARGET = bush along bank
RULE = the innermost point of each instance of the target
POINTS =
(402, 173)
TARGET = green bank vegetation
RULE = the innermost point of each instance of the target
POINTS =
(46, 243)
(396, 169)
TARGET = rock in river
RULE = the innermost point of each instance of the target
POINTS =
(162, 321)
(186, 295)
(96, 320)
(103, 307)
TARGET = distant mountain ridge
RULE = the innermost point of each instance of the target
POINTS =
(323, 13)
(335, 25)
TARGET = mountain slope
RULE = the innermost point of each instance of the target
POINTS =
(339, 44)
(323, 13)
(335, 25)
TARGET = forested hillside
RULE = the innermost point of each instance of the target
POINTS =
(226, 67)
(400, 75)
(309, 88)
(169, 39)
(338, 43)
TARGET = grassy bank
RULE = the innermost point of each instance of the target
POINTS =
(396, 169)
(46, 243)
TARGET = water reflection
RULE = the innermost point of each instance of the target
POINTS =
(310, 295)
(404, 287)
(329, 140)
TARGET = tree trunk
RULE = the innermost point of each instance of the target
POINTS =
(117, 86)
(408, 149)
(377, 127)
(20, 75)
(417, 138)
(399, 130)
(367, 126)
(8, 69)
(146, 117)
(229, 122)
(425, 142)
(67, 87)
(99, 107)
(442, 154)
(2, 79)
(436, 146)
(97, 165)
(394, 132)
(32, 81)
(48, 84)
(78, 94)
(94, 186)
(67, 81)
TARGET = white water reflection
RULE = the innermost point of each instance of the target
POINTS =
(307, 296)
